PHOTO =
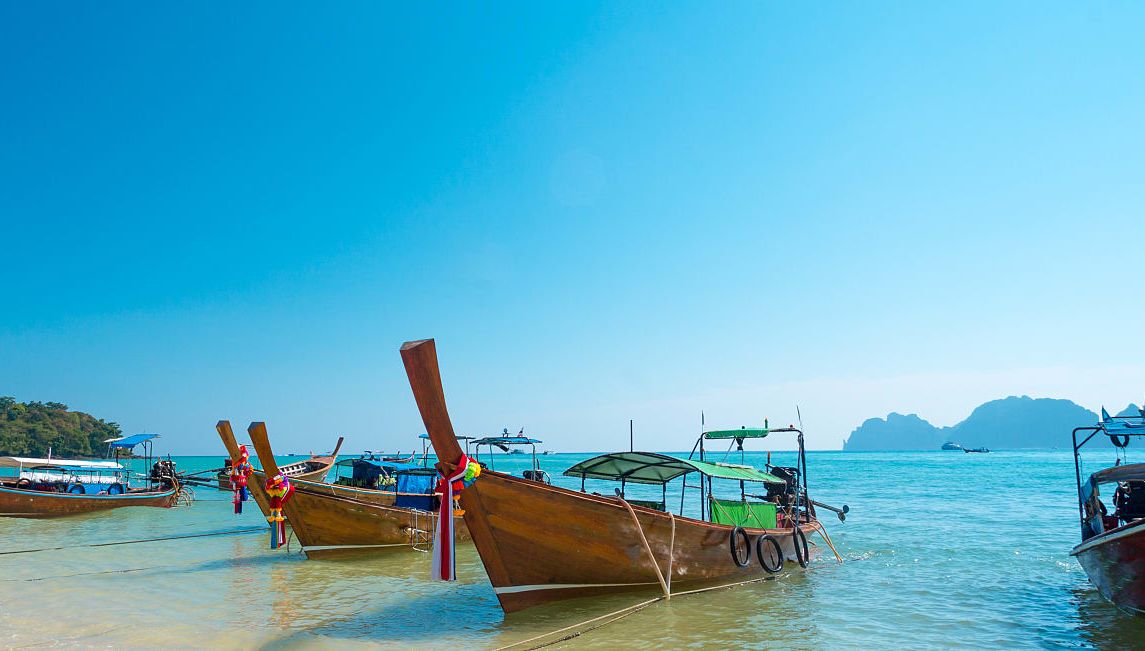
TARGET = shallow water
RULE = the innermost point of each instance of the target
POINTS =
(942, 549)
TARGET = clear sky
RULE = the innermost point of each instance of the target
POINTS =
(601, 212)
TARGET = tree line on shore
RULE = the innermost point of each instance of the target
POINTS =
(30, 429)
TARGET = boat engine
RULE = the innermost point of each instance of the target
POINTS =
(163, 472)
(783, 494)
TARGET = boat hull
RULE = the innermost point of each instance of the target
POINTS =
(542, 543)
(332, 521)
(21, 503)
(1115, 564)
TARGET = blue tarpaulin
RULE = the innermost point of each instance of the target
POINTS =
(130, 441)
(421, 485)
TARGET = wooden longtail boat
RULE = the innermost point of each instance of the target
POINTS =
(332, 520)
(1112, 550)
(42, 488)
(541, 543)
(315, 469)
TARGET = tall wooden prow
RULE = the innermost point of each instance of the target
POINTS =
(261, 442)
(254, 484)
(420, 359)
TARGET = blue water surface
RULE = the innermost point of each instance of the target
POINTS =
(941, 549)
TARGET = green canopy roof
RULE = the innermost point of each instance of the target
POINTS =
(655, 468)
(741, 433)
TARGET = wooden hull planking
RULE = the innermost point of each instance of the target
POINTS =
(20, 503)
(331, 520)
(1115, 564)
(541, 543)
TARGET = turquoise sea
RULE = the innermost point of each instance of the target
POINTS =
(942, 549)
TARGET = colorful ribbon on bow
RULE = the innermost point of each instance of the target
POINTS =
(444, 564)
(279, 489)
(239, 473)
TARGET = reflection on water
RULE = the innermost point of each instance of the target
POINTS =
(941, 549)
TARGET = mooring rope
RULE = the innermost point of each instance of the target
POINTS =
(133, 542)
(618, 615)
(578, 629)
(648, 548)
(827, 539)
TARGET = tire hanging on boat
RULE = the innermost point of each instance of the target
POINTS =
(761, 554)
(799, 541)
(1120, 441)
(738, 531)
(115, 489)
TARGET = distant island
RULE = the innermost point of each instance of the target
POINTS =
(29, 429)
(1014, 422)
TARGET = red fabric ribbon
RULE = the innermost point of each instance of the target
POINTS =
(444, 565)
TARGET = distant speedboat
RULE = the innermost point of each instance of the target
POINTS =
(951, 445)
(969, 450)
(1112, 545)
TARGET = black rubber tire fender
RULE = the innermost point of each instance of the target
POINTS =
(77, 489)
(115, 489)
(799, 541)
(1121, 441)
(738, 531)
(761, 554)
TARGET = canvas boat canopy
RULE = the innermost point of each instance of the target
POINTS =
(30, 462)
(128, 442)
(389, 466)
(741, 433)
(1128, 472)
(655, 468)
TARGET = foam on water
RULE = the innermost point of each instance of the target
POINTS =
(942, 548)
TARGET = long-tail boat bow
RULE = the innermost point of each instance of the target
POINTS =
(541, 543)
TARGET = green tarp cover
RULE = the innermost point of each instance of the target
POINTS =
(736, 513)
(741, 433)
(656, 468)
(738, 473)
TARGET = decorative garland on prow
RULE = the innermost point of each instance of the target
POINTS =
(239, 473)
(444, 564)
(279, 489)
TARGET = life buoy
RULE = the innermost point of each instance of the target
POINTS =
(1119, 441)
(115, 489)
(762, 555)
(77, 489)
(738, 531)
(24, 483)
(799, 540)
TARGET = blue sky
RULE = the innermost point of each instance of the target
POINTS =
(601, 212)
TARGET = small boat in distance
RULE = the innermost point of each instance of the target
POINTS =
(951, 445)
(513, 445)
(969, 450)
(1112, 549)
(542, 543)
(38, 488)
(313, 469)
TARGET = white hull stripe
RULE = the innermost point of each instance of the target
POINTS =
(322, 548)
(511, 589)
(1094, 542)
